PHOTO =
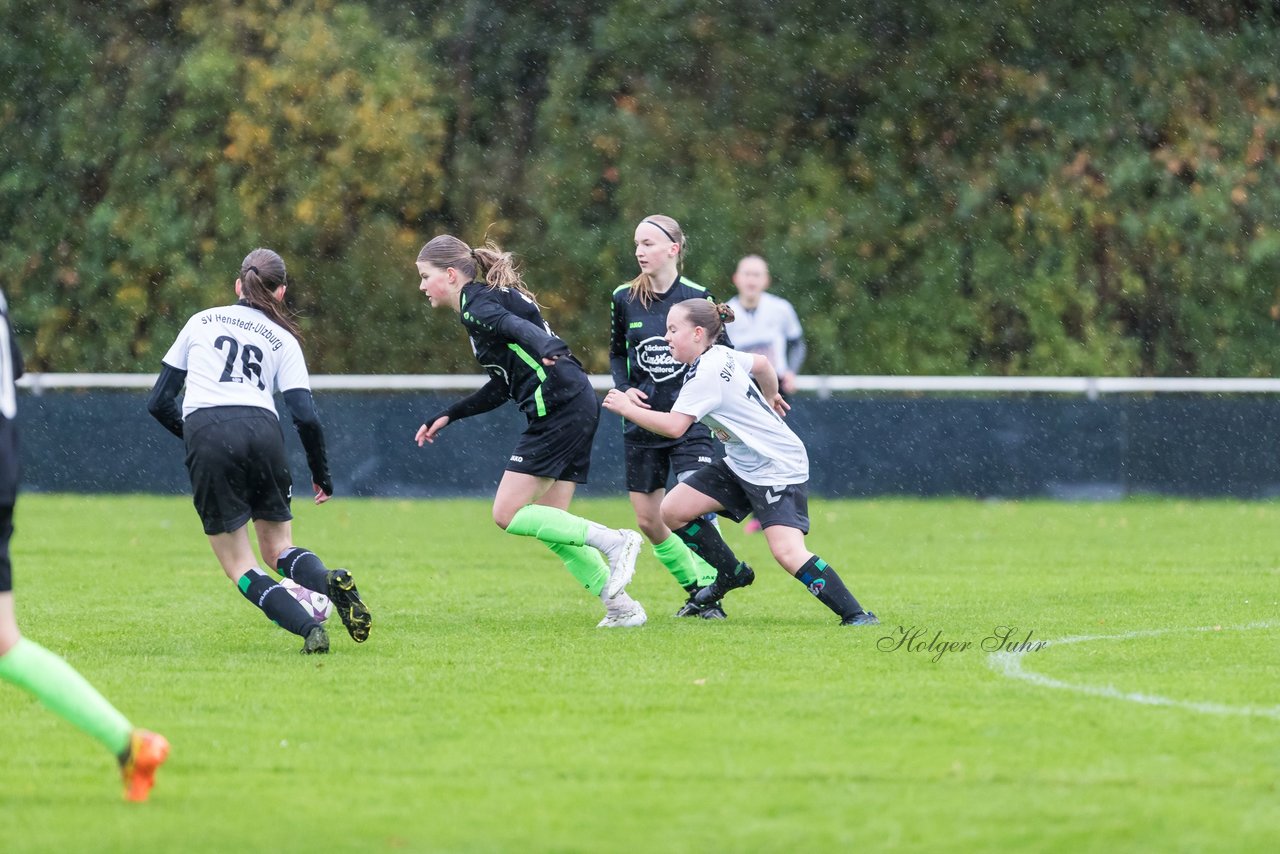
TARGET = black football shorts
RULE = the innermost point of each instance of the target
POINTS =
(238, 468)
(558, 445)
(783, 504)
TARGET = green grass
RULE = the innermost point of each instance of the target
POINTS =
(487, 713)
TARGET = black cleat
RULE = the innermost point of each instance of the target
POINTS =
(316, 642)
(862, 618)
(346, 601)
(689, 609)
(714, 592)
(714, 611)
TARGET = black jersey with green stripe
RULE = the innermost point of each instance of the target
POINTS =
(510, 339)
(640, 358)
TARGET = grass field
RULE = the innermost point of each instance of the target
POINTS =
(487, 713)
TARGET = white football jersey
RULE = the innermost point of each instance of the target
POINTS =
(766, 329)
(759, 447)
(236, 356)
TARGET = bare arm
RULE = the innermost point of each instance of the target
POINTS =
(670, 424)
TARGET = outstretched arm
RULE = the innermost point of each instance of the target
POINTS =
(490, 396)
(670, 424)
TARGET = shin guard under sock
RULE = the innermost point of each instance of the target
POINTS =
(826, 584)
(304, 567)
(276, 602)
(584, 563)
(705, 542)
(678, 558)
(548, 524)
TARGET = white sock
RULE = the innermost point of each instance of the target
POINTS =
(621, 602)
(600, 537)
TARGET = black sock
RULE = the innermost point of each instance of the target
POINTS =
(276, 602)
(705, 541)
(305, 568)
(824, 583)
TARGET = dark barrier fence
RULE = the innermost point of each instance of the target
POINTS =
(1000, 446)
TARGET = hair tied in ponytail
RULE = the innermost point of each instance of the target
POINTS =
(253, 268)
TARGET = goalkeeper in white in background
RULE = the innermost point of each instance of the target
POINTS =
(765, 470)
(764, 323)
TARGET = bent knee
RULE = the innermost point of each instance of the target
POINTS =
(789, 555)
(9, 637)
(674, 516)
(502, 516)
(655, 531)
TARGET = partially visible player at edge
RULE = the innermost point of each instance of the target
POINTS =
(765, 470)
(528, 364)
(642, 368)
(232, 360)
(26, 663)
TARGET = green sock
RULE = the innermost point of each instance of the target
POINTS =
(584, 563)
(706, 572)
(549, 524)
(57, 684)
(680, 562)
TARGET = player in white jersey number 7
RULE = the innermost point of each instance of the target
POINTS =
(233, 359)
(766, 466)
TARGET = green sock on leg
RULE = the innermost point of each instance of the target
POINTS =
(706, 572)
(584, 563)
(680, 562)
(549, 524)
(61, 688)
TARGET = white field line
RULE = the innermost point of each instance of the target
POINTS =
(1011, 664)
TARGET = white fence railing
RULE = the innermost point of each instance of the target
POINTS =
(1091, 387)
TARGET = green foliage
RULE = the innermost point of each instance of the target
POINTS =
(1014, 187)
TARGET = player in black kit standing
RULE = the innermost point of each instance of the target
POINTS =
(232, 360)
(643, 368)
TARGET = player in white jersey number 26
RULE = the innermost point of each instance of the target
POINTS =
(232, 360)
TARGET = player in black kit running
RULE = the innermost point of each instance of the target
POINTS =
(526, 363)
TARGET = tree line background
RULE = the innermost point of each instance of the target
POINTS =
(1001, 187)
